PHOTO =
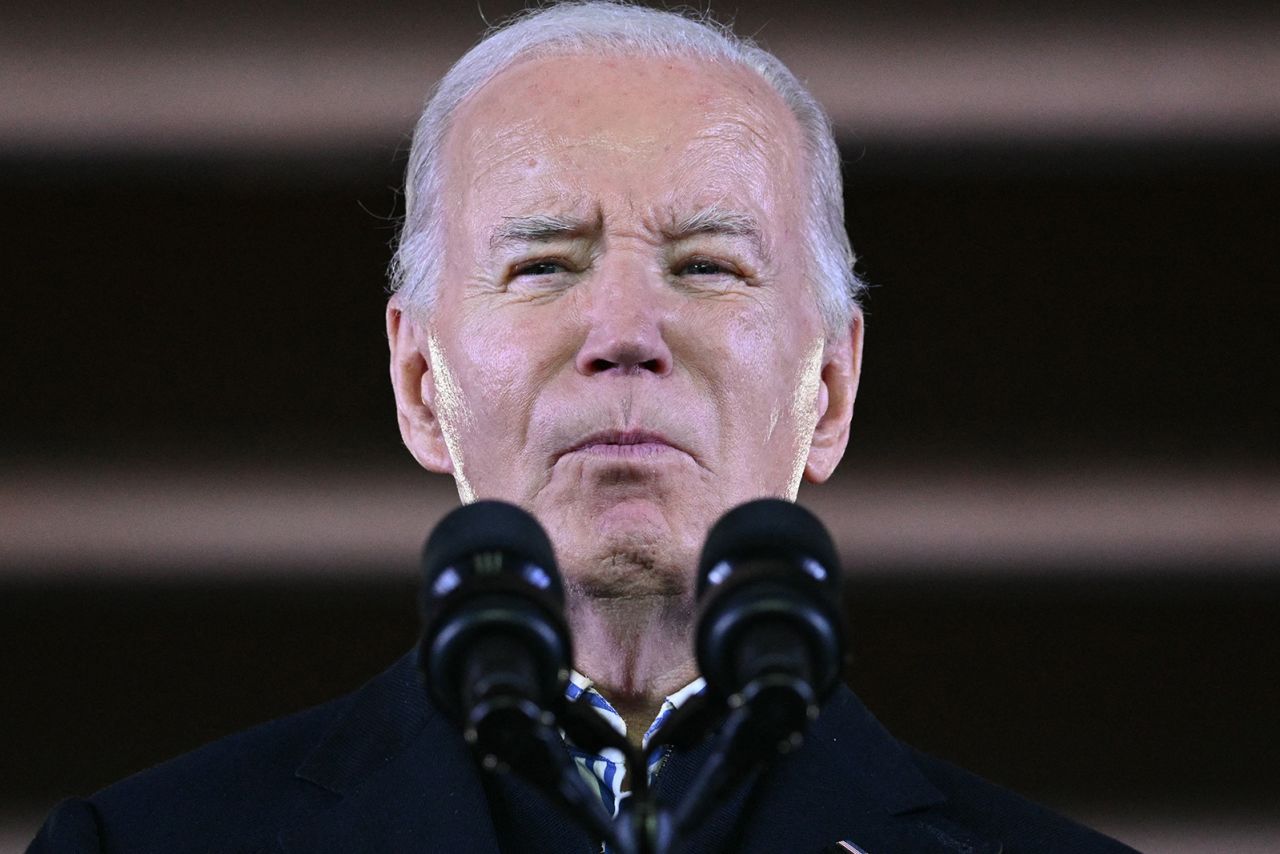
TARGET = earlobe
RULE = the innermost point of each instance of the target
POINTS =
(838, 386)
(414, 387)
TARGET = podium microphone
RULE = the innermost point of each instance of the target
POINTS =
(769, 586)
(495, 645)
(769, 642)
(495, 651)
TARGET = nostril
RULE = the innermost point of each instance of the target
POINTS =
(599, 366)
(624, 355)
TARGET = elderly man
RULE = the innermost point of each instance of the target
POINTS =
(624, 301)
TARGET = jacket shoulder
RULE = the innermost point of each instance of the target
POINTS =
(231, 794)
(1022, 825)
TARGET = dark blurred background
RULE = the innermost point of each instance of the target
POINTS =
(1060, 510)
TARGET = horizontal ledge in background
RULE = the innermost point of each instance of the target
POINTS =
(274, 86)
(59, 523)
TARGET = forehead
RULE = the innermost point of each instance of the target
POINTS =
(665, 133)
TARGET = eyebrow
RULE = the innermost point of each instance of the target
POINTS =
(718, 221)
(543, 228)
(539, 228)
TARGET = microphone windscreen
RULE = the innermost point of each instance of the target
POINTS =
(768, 528)
(486, 526)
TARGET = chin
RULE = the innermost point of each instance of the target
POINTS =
(630, 563)
(625, 547)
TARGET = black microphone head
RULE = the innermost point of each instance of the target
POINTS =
(768, 588)
(769, 528)
(490, 583)
(488, 527)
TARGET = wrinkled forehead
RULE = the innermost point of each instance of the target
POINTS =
(695, 131)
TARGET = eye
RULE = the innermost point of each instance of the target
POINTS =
(537, 268)
(703, 267)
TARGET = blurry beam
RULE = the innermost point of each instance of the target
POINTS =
(137, 523)
(280, 87)
(1159, 81)
(1183, 833)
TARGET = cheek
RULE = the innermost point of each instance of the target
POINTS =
(760, 359)
(491, 365)
(510, 354)
(717, 359)
(768, 373)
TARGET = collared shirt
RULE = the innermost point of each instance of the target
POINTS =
(605, 771)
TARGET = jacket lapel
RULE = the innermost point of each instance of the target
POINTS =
(851, 781)
(406, 780)
(529, 823)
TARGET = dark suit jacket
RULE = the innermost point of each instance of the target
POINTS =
(382, 771)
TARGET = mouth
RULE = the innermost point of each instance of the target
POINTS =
(624, 445)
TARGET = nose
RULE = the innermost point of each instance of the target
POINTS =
(625, 336)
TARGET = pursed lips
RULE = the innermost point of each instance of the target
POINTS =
(624, 445)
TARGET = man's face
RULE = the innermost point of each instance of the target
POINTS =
(625, 341)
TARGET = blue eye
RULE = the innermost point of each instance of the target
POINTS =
(538, 268)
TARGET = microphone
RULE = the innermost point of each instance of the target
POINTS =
(769, 642)
(495, 654)
(770, 632)
(495, 649)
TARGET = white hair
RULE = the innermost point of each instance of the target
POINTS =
(615, 27)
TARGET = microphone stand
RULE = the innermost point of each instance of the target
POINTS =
(752, 729)
(512, 734)
(759, 724)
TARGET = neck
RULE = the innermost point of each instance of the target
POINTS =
(636, 650)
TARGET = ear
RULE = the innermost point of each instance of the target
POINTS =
(837, 387)
(415, 389)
